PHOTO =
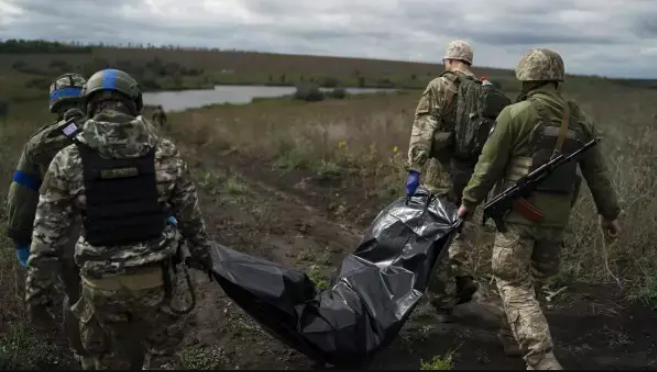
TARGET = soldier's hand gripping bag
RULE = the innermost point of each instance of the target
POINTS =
(377, 288)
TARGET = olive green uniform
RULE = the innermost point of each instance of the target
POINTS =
(529, 251)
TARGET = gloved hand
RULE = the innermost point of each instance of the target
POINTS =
(41, 318)
(412, 183)
(23, 254)
(172, 220)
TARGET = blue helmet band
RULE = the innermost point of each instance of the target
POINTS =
(69, 92)
(109, 79)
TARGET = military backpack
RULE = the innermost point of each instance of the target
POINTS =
(477, 106)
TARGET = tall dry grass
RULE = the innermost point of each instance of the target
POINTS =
(367, 137)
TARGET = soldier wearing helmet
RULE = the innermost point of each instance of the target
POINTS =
(122, 180)
(432, 147)
(528, 133)
(159, 117)
(23, 196)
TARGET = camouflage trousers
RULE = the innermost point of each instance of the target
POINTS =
(523, 258)
(442, 287)
(70, 278)
(116, 322)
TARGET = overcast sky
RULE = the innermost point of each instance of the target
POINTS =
(605, 37)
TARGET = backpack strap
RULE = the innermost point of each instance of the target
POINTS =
(456, 79)
(563, 130)
(565, 121)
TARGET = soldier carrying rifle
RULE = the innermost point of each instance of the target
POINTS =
(539, 127)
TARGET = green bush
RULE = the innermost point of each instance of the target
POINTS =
(338, 93)
(309, 92)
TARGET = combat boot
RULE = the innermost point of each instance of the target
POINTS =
(548, 363)
(510, 345)
(465, 288)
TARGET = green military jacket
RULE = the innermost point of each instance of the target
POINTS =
(511, 139)
(23, 196)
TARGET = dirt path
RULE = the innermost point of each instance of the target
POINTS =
(254, 212)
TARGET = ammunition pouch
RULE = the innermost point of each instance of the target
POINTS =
(442, 145)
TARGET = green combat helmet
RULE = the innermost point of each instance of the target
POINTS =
(66, 88)
(105, 84)
(540, 64)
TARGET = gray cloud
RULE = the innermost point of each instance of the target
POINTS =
(617, 39)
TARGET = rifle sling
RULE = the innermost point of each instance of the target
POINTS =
(563, 130)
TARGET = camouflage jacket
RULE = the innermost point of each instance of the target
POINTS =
(511, 138)
(433, 129)
(113, 135)
(159, 116)
(23, 196)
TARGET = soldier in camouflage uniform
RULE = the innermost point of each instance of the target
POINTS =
(123, 180)
(159, 117)
(528, 133)
(23, 196)
(432, 139)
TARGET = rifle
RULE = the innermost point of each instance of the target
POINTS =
(514, 196)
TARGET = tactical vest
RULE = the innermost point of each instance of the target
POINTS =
(122, 199)
(548, 139)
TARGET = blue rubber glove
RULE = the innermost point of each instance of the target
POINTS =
(172, 220)
(412, 183)
(23, 254)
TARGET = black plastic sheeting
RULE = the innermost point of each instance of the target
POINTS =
(378, 286)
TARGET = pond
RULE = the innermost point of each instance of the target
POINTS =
(236, 94)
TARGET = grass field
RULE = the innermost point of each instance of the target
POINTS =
(297, 182)
(361, 143)
(26, 70)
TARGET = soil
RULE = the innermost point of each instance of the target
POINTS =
(288, 218)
